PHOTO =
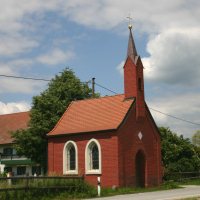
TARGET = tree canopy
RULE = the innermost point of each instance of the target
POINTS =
(196, 138)
(178, 153)
(47, 108)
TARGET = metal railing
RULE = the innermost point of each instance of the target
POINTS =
(11, 157)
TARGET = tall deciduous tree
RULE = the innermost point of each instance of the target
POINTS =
(196, 138)
(46, 110)
(178, 153)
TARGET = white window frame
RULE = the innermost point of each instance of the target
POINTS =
(88, 170)
(65, 169)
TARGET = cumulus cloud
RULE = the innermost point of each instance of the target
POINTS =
(14, 44)
(21, 86)
(13, 107)
(174, 57)
(12, 85)
(113, 13)
(185, 106)
(56, 56)
(120, 67)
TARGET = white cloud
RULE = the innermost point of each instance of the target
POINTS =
(12, 85)
(15, 43)
(56, 56)
(21, 86)
(147, 17)
(13, 107)
(174, 57)
(120, 68)
(152, 19)
(184, 106)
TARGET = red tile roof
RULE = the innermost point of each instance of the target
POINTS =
(91, 115)
(12, 122)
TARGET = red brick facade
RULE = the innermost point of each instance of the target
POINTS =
(119, 150)
(130, 147)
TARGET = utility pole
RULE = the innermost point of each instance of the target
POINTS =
(93, 87)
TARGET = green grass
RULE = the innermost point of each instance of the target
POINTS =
(190, 182)
(91, 192)
(131, 190)
(83, 190)
(79, 189)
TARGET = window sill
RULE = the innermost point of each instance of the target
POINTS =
(90, 172)
(71, 173)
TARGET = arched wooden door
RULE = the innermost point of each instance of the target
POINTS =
(140, 168)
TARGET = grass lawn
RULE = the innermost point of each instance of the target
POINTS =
(118, 191)
(191, 182)
(90, 192)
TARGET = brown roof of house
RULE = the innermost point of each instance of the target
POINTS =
(12, 122)
(90, 115)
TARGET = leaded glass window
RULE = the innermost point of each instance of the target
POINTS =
(94, 157)
(71, 157)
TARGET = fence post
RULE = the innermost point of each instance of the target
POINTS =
(27, 181)
(9, 179)
(99, 186)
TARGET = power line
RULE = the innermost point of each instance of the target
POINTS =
(31, 78)
(105, 88)
(184, 120)
(22, 77)
(172, 116)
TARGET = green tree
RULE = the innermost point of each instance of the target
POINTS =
(47, 108)
(196, 138)
(178, 153)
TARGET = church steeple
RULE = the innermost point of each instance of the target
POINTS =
(131, 51)
(133, 77)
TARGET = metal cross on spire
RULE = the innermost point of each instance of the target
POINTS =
(130, 20)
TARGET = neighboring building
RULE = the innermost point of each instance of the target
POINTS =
(114, 137)
(9, 160)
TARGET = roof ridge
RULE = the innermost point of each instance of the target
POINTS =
(90, 99)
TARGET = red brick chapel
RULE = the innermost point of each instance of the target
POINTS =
(114, 137)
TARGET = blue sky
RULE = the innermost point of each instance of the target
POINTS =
(40, 38)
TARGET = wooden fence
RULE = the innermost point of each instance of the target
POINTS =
(68, 183)
(181, 176)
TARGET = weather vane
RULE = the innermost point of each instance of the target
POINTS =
(130, 20)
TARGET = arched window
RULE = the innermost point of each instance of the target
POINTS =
(93, 157)
(70, 158)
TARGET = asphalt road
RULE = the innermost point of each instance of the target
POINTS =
(188, 191)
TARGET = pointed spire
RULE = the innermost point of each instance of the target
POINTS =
(131, 51)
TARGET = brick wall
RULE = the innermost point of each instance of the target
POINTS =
(108, 142)
(119, 149)
(130, 144)
(134, 85)
(130, 81)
